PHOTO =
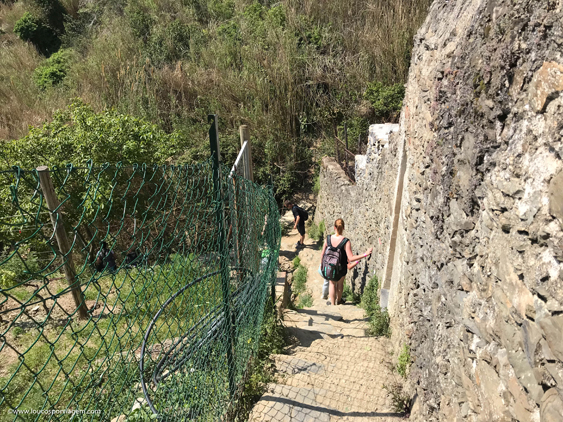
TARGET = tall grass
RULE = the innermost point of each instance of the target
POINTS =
(290, 70)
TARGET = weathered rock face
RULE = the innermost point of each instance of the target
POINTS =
(476, 279)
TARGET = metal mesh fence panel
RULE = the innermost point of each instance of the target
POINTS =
(155, 303)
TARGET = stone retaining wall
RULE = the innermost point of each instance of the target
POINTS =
(477, 280)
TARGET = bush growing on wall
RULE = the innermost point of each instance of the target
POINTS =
(386, 100)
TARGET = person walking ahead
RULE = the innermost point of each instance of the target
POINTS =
(299, 218)
(348, 261)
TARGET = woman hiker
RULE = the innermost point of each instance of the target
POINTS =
(348, 261)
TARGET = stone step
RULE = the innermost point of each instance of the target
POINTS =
(283, 403)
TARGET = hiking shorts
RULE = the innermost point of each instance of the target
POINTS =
(301, 228)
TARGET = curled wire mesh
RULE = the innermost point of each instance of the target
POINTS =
(174, 299)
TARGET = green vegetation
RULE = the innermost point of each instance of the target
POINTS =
(386, 100)
(299, 284)
(350, 296)
(32, 29)
(78, 134)
(305, 300)
(14, 269)
(316, 184)
(317, 232)
(378, 319)
(273, 339)
(291, 70)
(53, 70)
(404, 361)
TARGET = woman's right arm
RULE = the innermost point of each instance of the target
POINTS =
(351, 256)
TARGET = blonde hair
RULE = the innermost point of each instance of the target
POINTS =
(339, 226)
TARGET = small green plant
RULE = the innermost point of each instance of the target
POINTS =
(322, 229)
(17, 331)
(296, 262)
(305, 300)
(399, 399)
(404, 361)
(386, 100)
(316, 232)
(350, 296)
(299, 280)
(53, 70)
(316, 185)
(379, 322)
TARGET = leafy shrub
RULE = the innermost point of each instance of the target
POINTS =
(53, 70)
(305, 300)
(80, 134)
(378, 319)
(32, 29)
(300, 280)
(350, 296)
(296, 262)
(54, 12)
(386, 100)
(404, 361)
(316, 232)
(17, 270)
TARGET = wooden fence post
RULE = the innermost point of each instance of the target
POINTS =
(62, 239)
(248, 168)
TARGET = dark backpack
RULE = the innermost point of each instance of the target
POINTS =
(304, 215)
(331, 264)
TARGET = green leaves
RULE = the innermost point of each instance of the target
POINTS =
(386, 100)
(53, 70)
(32, 29)
(79, 134)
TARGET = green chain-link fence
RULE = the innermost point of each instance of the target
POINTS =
(164, 317)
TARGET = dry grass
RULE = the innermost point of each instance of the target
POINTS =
(290, 83)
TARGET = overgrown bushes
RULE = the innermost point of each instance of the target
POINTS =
(291, 70)
(53, 70)
(378, 319)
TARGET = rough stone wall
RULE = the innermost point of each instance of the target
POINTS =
(477, 282)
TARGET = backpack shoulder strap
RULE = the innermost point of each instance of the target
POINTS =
(341, 244)
(328, 241)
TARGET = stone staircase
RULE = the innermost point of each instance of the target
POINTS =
(333, 371)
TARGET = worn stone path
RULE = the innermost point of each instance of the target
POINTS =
(333, 372)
